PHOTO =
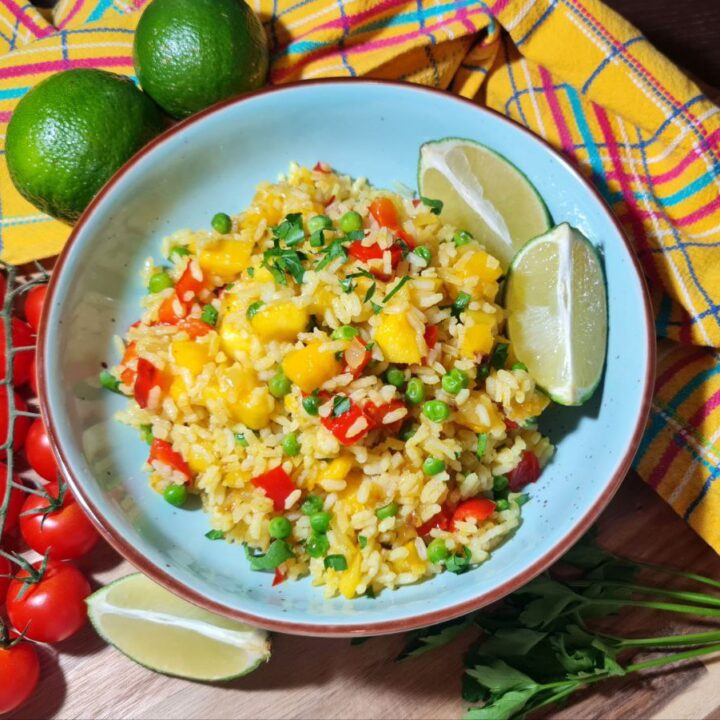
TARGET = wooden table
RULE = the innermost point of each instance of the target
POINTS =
(311, 678)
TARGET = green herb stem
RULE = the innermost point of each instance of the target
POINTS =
(649, 590)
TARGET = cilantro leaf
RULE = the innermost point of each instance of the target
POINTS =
(331, 252)
(370, 293)
(422, 641)
(278, 552)
(347, 285)
(459, 564)
(396, 289)
(341, 405)
(215, 535)
(290, 230)
(435, 206)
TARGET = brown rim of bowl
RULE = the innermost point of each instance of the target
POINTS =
(164, 578)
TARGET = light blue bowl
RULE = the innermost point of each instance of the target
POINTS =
(213, 162)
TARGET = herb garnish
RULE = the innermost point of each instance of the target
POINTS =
(278, 552)
(215, 535)
(396, 289)
(435, 206)
(331, 252)
(341, 405)
(290, 230)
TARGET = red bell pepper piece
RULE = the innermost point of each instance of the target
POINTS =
(194, 327)
(277, 486)
(511, 424)
(322, 167)
(189, 288)
(148, 377)
(357, 356)
(527, 471)
(478, 509)
(385, 213)
(378, 413)
(167, 312)
(431, 336)
(365, 253)
(341, 425)
(279, 577)
(440, 521)
(162, 451)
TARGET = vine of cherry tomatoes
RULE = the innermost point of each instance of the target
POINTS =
(41, 600)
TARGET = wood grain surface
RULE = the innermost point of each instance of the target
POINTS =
(313, 678)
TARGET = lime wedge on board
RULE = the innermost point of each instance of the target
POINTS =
(557, 313)
(482, 193)
(166, 634)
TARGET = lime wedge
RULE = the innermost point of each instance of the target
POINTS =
(163, 633)
(482, 193)
(557, 313)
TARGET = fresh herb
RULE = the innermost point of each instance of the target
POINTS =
(354, 235)
(461, 303)
(317, 239)
(253, 309)
(396, 289)
(110, 382)
(209, 315)
(336, 249)
(377, 309)
(241, 440)
(290, 230)
(284, 260)
(347, 285)
(362, 542)
(459, 564)
(435, 206)
(482, 439)
(215, 535)
(146, 433)
(251, 272)
(341, 405)
(499, 356)
(370, 293)
(422, 641)
(278, 552)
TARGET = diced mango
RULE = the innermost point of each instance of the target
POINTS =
(280, 321)
(249, 402)
(531, 407)
(234, 341)
(190, 354)
(338, 468)
(478, 264)
(310, 367)
(199, 458)
(236, 478)
(350, 578)
(397, 339)
(413, 563)
(262, 275)
(178, 389)
(226, 257)
(322, 299)
(477, 340)
(480, 414)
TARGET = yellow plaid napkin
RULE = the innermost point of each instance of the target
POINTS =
(570, 70)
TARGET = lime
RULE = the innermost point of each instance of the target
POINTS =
(190, 54)
(71, 132)
(557, 313)
(163, 633)
(483, 193)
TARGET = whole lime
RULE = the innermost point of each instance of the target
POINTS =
(190, 54)
(71, 132)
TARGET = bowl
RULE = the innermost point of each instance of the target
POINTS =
(213, 161)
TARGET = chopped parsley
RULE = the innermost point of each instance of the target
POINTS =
(215, 535)
(341, 405)
(435, 206)
(499, 356)
(331, 252)
(253, 309)
(209, 315)
(290, 230)
(396, 289)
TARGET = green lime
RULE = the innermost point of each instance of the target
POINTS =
(482, 193)
(190, 54)
(166, 634)
(71, 132)
(557, 313)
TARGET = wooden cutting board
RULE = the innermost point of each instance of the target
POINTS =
(313, 678)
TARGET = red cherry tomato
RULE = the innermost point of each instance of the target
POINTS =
(22, 336)
(66, 532)
(527, 471)
(22, 423)
(39, 452)
(52, 609)
(19, 673)
(16, 500)
(34, 301)
(478, 509)
(5, 573)
(33, 377)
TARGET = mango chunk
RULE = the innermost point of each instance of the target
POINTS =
(280, 321)
(310, 367)
(412, 563)
(226, 257)
(234, 341)
(478, 264)
(190, 355)
(350, 578)
(479, 414)
(397, 339)
(248, 402)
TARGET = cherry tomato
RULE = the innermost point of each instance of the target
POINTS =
(16, 500)
(19, 673)
(33, 377)
(527, 471)
(52, 609)
(22, 423)
(384, 211)
(39, 452)
(66, 532)
(5, 573)
(34, 301)
(478, 509)
(22, 336)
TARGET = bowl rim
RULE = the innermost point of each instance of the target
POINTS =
(165, 578)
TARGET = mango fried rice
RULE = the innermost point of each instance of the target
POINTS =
(327, 371)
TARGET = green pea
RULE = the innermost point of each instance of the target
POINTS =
(311, 505)
(395, 377)
(454, 381)
(433, 466)
(319, 222)
(345, 332)
(462, 237)
(311, 404)
(519, 366)
(424, 253)
(320, 521)
(160, 281)
(415, 392)
(222, 223)
(278, 385)
(481, 445)
(177, 252)
(436, 410)
(280, 527)
(109, 382)
(500, 483)
(336, 562)
(176, 495)
(437, 551)
(317, 545)
(386, 511)
(291, 445)
(350, 222)
(502, 504)
(209, 315)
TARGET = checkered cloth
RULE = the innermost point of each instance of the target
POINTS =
(570, 70)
